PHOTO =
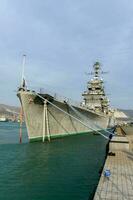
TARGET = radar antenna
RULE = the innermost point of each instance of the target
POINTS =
(97, 70)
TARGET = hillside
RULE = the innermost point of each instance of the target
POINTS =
(129, 113)
(7, 110)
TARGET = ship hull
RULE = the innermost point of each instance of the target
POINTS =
(58, 123)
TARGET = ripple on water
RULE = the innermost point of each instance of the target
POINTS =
(63, 169)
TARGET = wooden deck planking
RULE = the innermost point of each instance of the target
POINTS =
(120, 184)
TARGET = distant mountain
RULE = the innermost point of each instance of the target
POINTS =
(129, 113)
(9, 110)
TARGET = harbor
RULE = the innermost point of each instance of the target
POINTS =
(46, 119)
(66, 109)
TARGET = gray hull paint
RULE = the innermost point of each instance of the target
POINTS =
(59, 123)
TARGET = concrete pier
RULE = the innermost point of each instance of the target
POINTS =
(120, 183)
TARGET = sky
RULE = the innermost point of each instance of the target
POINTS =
(62, 40)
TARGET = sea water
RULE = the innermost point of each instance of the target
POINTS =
(65, 168)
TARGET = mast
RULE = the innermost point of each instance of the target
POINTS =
(94, 97)
(97, 69)
(23, 71)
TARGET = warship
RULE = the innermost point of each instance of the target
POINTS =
(47, 116)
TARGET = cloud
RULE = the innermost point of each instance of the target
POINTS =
(62, 39)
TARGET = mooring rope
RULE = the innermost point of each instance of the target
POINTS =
(71, 116)
(85, 118)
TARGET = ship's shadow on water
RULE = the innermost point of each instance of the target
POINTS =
(66, 168)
